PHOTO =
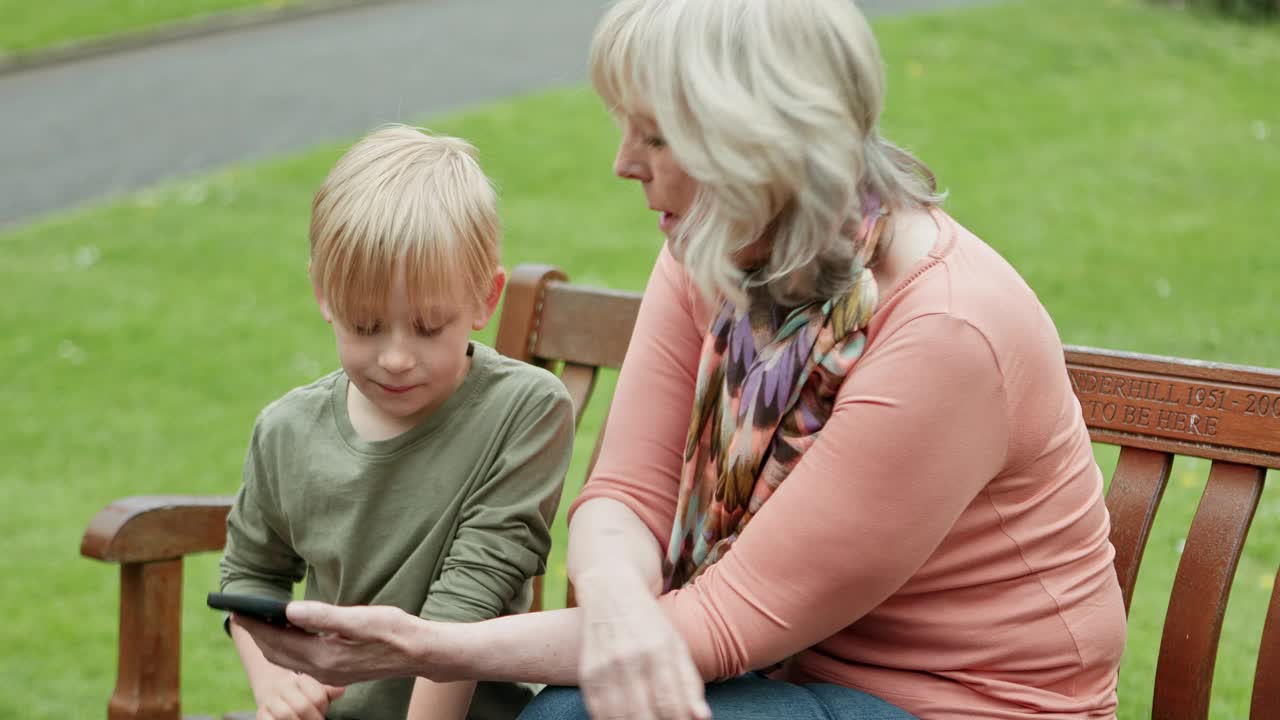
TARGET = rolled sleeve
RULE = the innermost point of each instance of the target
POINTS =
(504, 533)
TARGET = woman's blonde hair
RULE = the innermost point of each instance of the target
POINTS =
(402, 197)
(772, 106)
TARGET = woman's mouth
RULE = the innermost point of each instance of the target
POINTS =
(667, 222)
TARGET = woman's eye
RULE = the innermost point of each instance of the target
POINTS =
(654, 141)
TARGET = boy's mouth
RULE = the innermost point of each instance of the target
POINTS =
(396, 389)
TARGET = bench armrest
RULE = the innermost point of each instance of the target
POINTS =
(148, 528)
(148, 537)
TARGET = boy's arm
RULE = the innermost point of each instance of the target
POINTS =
(504, 532)
(277, 690)
(440, 701)
(257, 559)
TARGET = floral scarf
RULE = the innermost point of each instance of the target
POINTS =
(766, 385)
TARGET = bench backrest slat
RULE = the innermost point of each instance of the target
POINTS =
(1136, 488)
(580, 381)
(1266, 681)
(1189, 646)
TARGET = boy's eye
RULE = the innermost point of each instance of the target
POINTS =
(425, 331)
(368, 329)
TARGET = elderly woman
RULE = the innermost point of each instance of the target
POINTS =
(844, 474)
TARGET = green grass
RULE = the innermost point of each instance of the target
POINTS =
(1125, 159)
(31, 25)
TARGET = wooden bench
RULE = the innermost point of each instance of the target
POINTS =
(1152, 408)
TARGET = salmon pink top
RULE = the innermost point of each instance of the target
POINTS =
(944, 543)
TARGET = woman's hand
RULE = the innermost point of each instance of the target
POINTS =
(633, 663)
(352, 644)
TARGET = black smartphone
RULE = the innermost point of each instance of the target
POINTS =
(267, 610)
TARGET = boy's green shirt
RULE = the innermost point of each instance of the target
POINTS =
(450, 520)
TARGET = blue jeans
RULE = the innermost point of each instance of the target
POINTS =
(749, 697)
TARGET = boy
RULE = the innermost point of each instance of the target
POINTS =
(426, 472)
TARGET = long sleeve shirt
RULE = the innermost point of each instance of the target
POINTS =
(450, 520)
(944, 543)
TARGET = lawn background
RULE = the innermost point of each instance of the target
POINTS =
(1123, 158)
(33, 25)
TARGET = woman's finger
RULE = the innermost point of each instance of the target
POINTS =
(321, 617)
(666, 697)
(690, 686)
(608, 692)
(670, 696)
(635, 678)
(593, 697)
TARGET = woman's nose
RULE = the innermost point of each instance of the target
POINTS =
(628, 167)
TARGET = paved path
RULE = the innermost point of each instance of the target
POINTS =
(75, 133)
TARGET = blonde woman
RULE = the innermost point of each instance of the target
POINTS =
(845, 474)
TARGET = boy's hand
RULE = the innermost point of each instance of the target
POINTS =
(286, 695)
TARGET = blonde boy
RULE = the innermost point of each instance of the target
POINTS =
(424, 473)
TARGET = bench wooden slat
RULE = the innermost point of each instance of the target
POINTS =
(1266, 681)
(579, 380)
(1189, 646)
(1208, 410)
(585, 325)
(518, 323)
(1136, 488)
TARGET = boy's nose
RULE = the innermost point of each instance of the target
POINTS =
(395, 360)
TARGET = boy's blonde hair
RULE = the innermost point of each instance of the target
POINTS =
(402, 197)
(773, 106)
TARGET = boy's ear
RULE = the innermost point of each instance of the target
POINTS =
(324, 305)
(498, 283)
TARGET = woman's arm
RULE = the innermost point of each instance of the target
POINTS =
(609, 545)
(345, 645)
(354, 644)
